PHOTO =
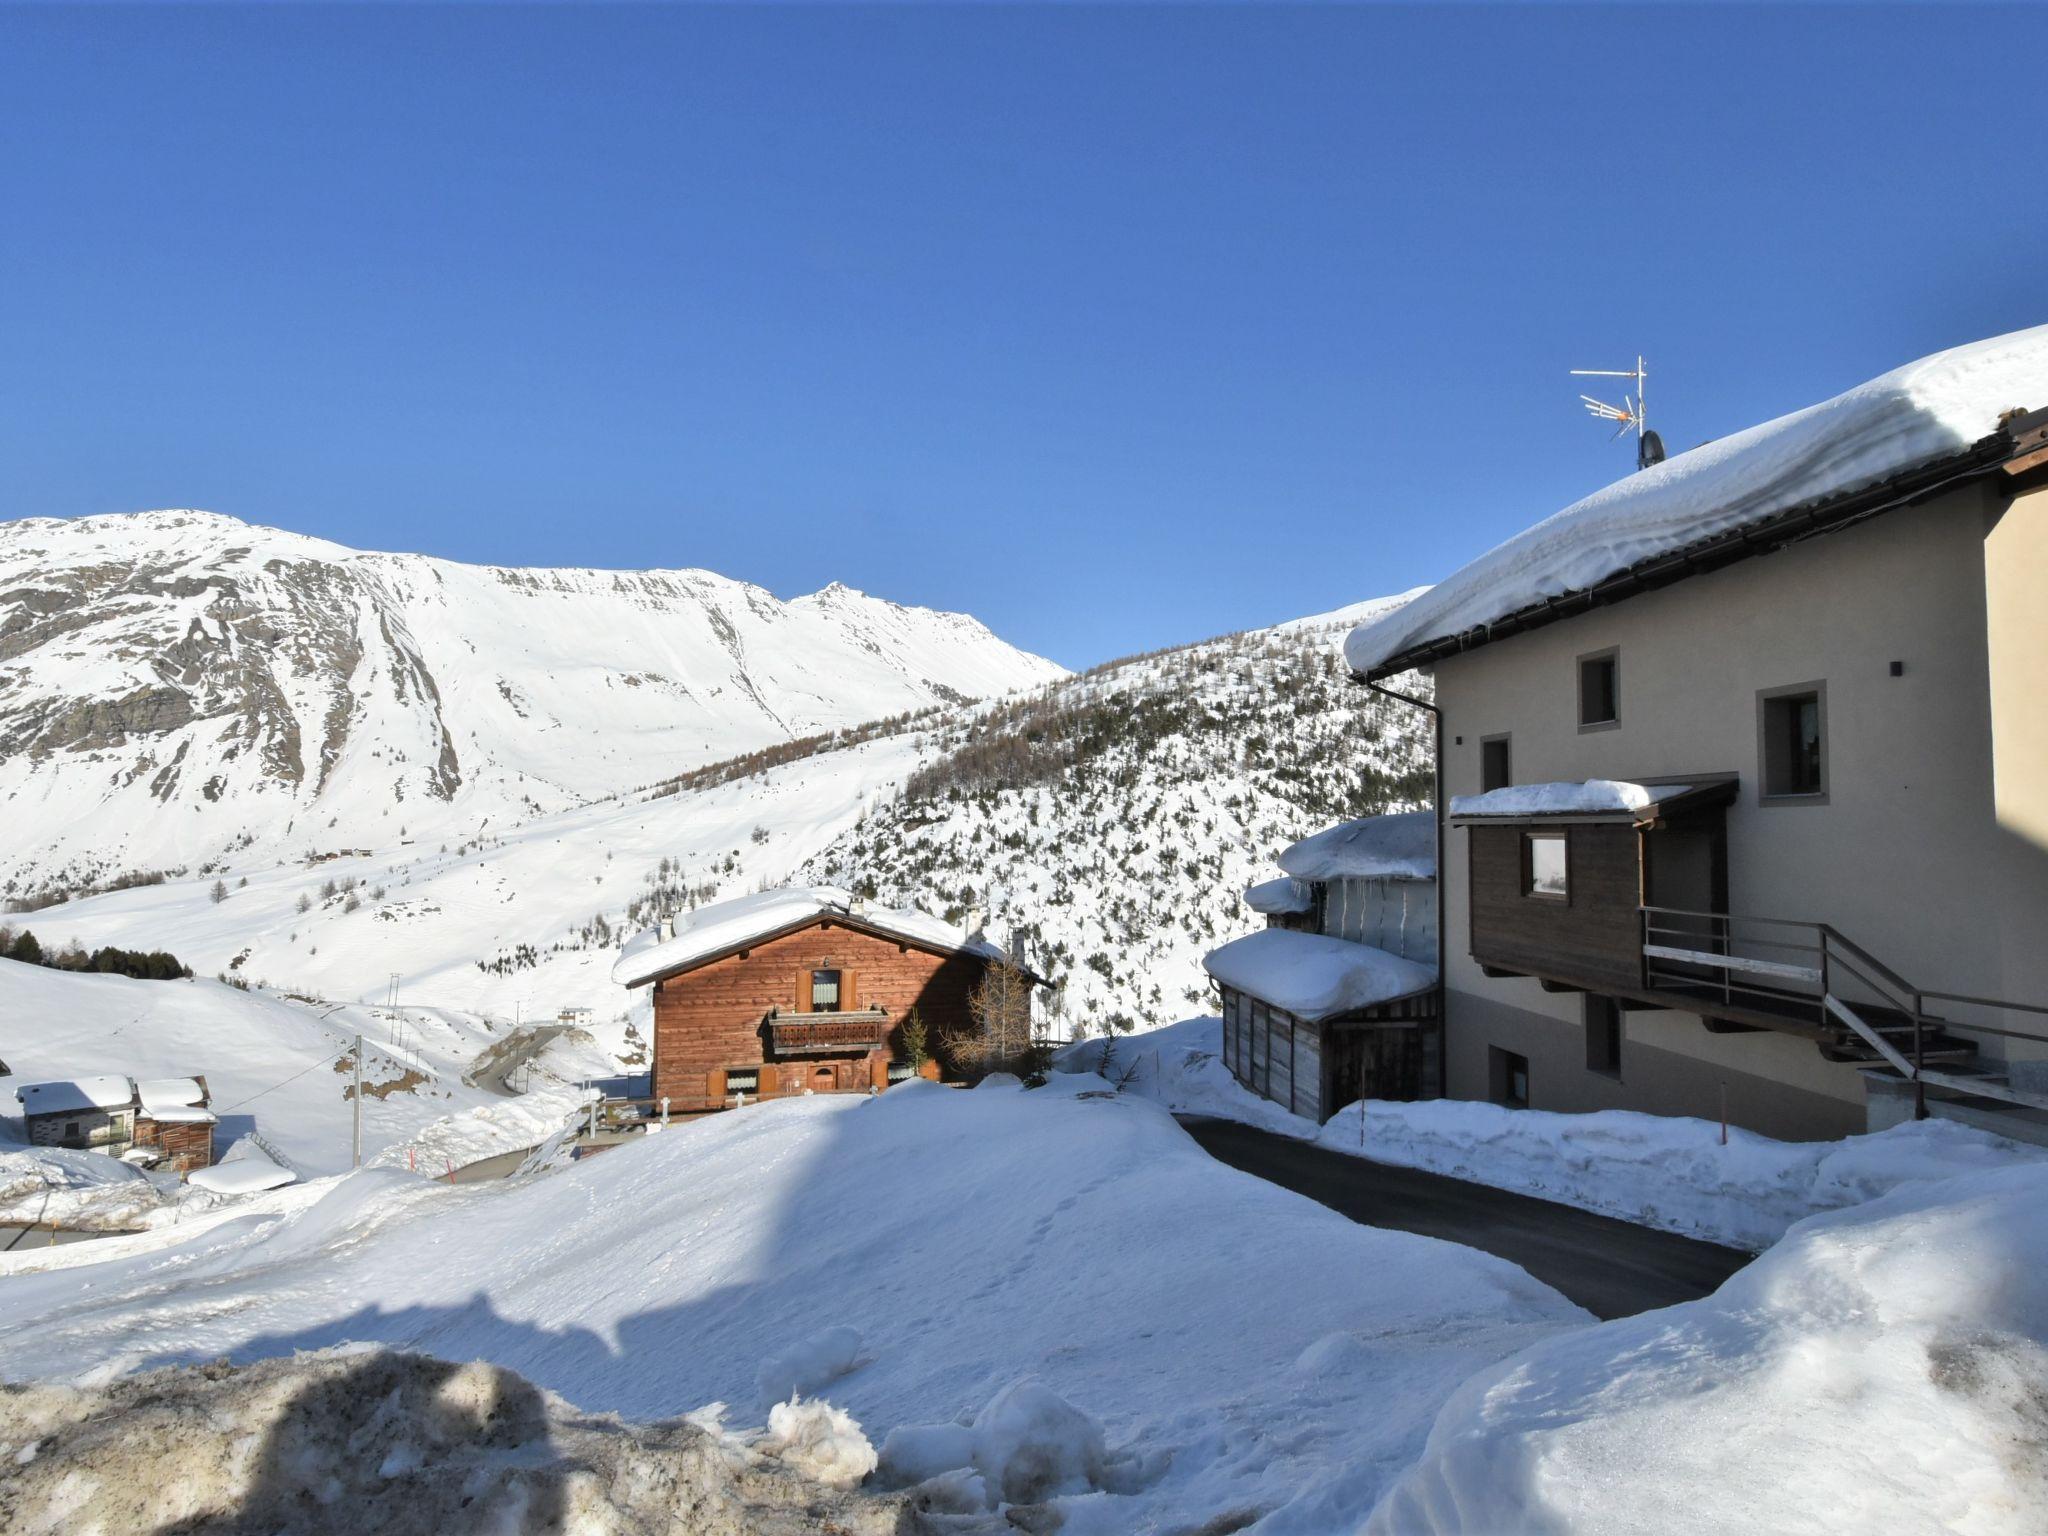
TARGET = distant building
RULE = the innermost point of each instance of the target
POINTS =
(165, 1121)
(1746, 762)
(1336, 1000)
(798, 990)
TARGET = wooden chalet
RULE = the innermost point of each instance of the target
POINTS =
(801, 990)
(157, 1122)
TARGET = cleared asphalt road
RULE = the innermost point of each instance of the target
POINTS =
(1611, 1268)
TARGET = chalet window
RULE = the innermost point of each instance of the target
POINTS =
(1792, 727)
(1603, 1035)
(824, 991)
(1599, 690)
(1510, 1074)
(1495, 771)
(1546, 866)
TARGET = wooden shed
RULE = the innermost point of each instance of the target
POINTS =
(166, 1121)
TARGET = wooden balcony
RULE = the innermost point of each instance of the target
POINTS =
(827, 1034)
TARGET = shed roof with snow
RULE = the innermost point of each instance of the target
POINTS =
(75, 1095)
(1896, 437)
(176, 1100)
(1397, 847)
(1315, 977)
(1285, 897)
(725, 926)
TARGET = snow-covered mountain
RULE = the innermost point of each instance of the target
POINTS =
(1111, 818)
(176, 687)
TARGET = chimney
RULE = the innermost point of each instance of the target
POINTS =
(668, 927)
(971, 925)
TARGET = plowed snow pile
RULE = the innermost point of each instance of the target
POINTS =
(393, 1443)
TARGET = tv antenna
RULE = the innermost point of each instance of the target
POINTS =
(1630, 413)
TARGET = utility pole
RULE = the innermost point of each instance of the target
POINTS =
(357, 1144)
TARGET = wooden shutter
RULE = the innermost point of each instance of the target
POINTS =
(848, 992)
(803, 990)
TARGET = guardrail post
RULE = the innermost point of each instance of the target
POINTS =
(1919, 1063)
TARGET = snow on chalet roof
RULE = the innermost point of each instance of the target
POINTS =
(1909, 417)
(1312, 976)
(1594, 797)
(729, 925)
(1278, 898)
(174, 1100)
(74, 1095)
(1397, 847)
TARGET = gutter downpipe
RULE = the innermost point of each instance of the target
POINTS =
(1436, 716)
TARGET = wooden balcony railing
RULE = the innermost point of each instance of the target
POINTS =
(800, 1034)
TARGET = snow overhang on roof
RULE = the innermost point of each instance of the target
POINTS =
(175, 1100)
(1397, 847)
(74, 1095)
(1894, 439)
(1594, 800)
(1284, 897)
(1313, 976)
(725, 926)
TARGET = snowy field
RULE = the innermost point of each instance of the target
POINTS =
(1663, 1171)
(1238, 1351)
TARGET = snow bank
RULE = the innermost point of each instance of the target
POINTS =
(725, 925)
(376, 1440)
(1277, 898)
(1593, 797)
(468, 1136)
(78, 1191)
(970, 1239)
(819, 1441)
(1027, 1445)
(1181, 1067)
(1923, 411)
(1881, 1369)
(1397, 847)
(1314, 976)
(1664, 1170)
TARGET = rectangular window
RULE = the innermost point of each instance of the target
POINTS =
(824, 991)
(1599, 689)
(1603, 1035)
(1495, 772)
(1510, 1074)
(1792, 731)
(1545, 866)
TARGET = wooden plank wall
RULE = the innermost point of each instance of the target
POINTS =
(713, 1018)
(1593, 936)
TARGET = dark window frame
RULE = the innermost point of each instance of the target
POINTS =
(1611, 656)
(1502, 1069)
(1773, 750)
(1559, 835)
(1505, 741)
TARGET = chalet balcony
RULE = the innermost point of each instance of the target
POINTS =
(823, 1034)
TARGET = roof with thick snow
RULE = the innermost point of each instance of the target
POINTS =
(174, 1100)
(724, 926)
(1913, 417)
(1397, 847)
(73, 1095)
(1279, 898)
(246, 1169)
(1313, 976)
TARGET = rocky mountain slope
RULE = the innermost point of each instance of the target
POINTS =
(178, 687)
(1110, 820)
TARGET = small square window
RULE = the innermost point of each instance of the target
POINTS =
(1510, 1075)
(1495, 771)
(1792, 727)
(1546, 866)
(1603, 1035)
(824, 991)
(1600, 689)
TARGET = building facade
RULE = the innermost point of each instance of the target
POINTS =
(1811, 898)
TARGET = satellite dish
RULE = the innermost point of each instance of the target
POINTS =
(1649, 449)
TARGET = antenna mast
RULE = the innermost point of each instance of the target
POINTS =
(1632, 412)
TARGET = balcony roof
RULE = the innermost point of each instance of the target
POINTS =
(1604, 801)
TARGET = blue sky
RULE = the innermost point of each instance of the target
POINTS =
(1114, 327)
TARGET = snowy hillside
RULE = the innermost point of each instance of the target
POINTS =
(1111, 823)
(1032, 810)
(177, 687)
